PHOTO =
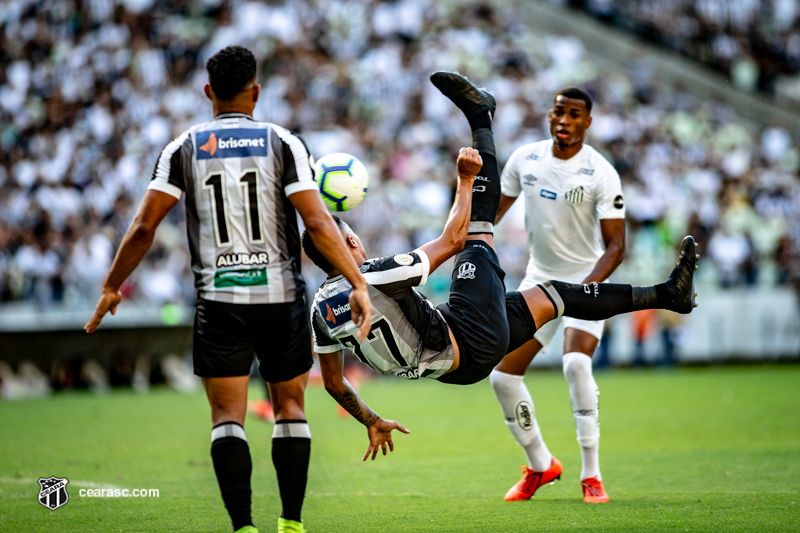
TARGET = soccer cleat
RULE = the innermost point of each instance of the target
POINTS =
(532, 480)
(463, 93)
(290, 526)
(246, 529)
(593, 491)
(681, 281)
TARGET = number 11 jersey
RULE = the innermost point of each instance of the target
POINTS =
(237, 175)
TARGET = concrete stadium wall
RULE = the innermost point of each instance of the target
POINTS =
(735, 325)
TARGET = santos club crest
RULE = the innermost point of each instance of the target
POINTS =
(53, 492)
(575, 194)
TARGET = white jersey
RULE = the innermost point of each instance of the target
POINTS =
(564, 202)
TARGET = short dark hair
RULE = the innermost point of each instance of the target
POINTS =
(315, 255)
(576, 94)
(230, 70)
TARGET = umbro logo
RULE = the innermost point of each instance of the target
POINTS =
(529, 179)
(533, 157)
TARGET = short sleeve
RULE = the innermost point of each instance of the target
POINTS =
(323, 343)
(297, 172)
(169, 171)
(610, 203)
(394, 273)
(509, 179)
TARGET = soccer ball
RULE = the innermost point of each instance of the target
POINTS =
(343, 181)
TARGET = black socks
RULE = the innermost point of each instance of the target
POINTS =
(291, 450)
(233, 466)
(486, 189)
(598, 301)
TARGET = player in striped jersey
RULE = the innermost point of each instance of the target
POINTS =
(462, 340)
(244, 183)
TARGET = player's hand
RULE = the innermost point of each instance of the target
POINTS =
(108, 302)
(469, 163)
(380, 434)
(361, 311)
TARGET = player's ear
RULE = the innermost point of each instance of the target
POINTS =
(588, 121)
(207, 90)
(256, 92)
(351, 241)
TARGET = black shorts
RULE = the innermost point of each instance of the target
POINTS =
(227, 336)
(476, 313)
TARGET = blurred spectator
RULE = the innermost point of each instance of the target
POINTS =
(89, 90)
(755, 41)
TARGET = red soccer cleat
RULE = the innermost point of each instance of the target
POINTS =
(593, 491)
(532, 480)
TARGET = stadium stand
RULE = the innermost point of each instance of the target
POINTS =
(756, 43)
(89, 91)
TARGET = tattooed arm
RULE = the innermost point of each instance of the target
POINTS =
(378, 429)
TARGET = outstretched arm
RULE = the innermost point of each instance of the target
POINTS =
(378, 429)
(455, 230)
(137, 241)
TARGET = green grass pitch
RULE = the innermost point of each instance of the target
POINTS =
(706, 449)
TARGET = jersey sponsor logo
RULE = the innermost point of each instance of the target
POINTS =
(411, 373)
(53, 492)
(241, 142)
(586, 171)
(575, 194)
(466, 271)
(550, 195)
(524, 415)
(336, 310)
(618, 202)
(241, 278)
(404, 260)
(260, 258)
(529, 179)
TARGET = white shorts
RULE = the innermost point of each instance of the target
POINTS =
(545, 334)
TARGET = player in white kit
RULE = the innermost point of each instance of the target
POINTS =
(575, 221)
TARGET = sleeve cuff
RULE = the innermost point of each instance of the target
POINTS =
(426, 266)
(298, 186)
(168, 188)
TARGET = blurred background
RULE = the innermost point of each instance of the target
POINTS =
(697, 105)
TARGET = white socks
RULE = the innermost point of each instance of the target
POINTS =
(583, 397)
(517, 406)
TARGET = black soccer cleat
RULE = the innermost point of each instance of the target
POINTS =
(468, 98)
(681, 281)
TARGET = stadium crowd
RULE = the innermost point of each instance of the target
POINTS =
(90, 92)
(756, 42)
